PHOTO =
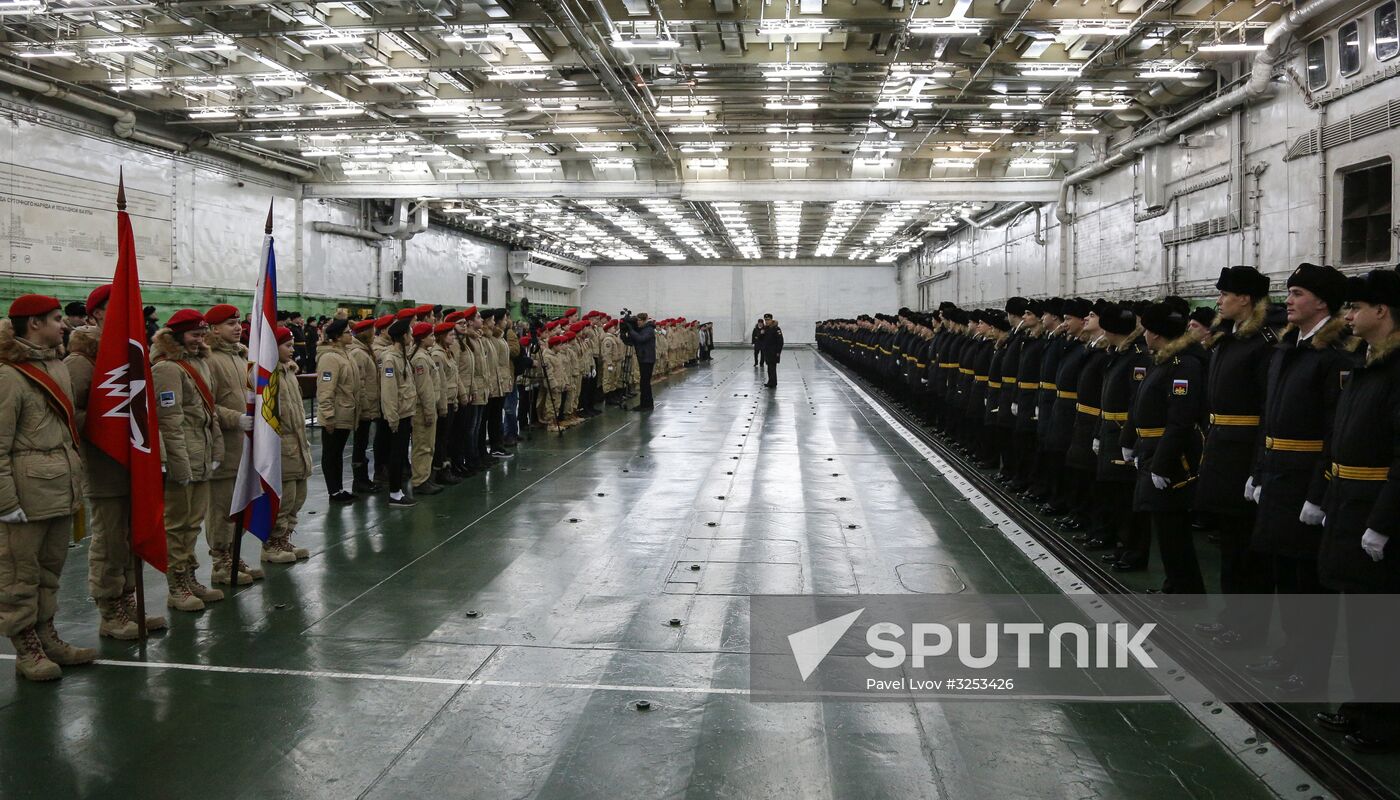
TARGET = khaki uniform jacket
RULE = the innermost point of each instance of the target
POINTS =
(40, 469)
(612, 361)
(291, 414)
(337, 388)
(466, 365)
(228, 367)
(556, 371)
(505, 373)
(397, 395)
(425, 382)
(368, 372)
(447, 379)
(481, 361)
(105, 477)
(190, 439)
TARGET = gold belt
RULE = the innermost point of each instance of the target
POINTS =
(1151, 433)
(1293, 445)
(1047, 384)
(1063, 395)
(1234, 419)
(1115, 416)
(964, 370)
(982, 378)
(994, 384)
(1029, 385)
(1090, 410)
(1360, 473)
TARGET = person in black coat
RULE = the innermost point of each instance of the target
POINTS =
(1126, 366)
(771, 344)
(1163, 437)
(999, 331)
(1241, 346)
(1059, 396)
(1027, 391)
(1080, 458)
(641, 334)
(1290, 473)
(1363, 510)
(753, 339)
(1006, 378)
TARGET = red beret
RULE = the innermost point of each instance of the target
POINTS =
(284, 335)
(578, 326)
(610, 324)
(571, 312)
(525, 341)
(186, 319)
(427, 308)
(568, 337)
(444, 327)
(383, 322)
(555, 341)
(363, 325)
(468, 313)
(422, 329)
(98, 298)
(455, 316)
(32, 305)
(223, 312)
(407, 313)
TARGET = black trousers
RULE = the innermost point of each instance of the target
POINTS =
(359, 451)
(442, 439)
(1308, 613)
(1243, 572)
(756, 355)
(1178, 550)
(479, 439)
(1372, 670)
(495, 410)
(646, 399)
(383, 450)
(398, 454)
(772, 373)
(333, 458)
(471, 439)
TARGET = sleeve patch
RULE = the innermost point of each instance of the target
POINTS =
(388, 372)
(326, 376)
(1180, 387)
(167, 399)
(1139, 373)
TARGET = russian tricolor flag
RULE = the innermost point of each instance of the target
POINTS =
(258, 490)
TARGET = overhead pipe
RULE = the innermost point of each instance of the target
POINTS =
(347, 230)
(1260, 85)
(124, 124)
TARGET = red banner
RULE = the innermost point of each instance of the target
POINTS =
(121, 418)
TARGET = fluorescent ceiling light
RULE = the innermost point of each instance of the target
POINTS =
(212, 113)
(277, 115)
(120, 48)
(388, 79)
(1092, 107)
(612, 163)
(646, 43)
(284, 83)
(1229, 47)
(790, 162)
(328, 137)
(475, 134)
(537, 108)
(702, 149)
(319, 153)
(599, 147)
(940, 28)
(955, 163)
(875, 162)
(791, 148)
(209, 87)
(1095, 28)
(526, 75)
(47, 54)
(984, 129)
(1169, 73)
(572, 130)
(329, 41)
(509, 150)
(683, 111)
(791, 105)
(703, 127)
(215, 47)
(338, 112)
(476, 38)
(1072, 131)
(707, 163)
(909, 103)
(787, 27)
(1030, 162)
(1048, 70)
(1003, 105)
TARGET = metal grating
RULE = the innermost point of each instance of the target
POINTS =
(1362, 124)
(1200, 230)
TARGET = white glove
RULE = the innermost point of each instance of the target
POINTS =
(1013, 409)
(1312, 514)
(215, 465)
(185, 482)
(1128, 455)
(1095, 447)
(1371, 541)
(245, 423)
(1251, 492)
(1035, 413)
(17, 516)
(1160, 482)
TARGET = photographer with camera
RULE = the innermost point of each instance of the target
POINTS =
(639, 332)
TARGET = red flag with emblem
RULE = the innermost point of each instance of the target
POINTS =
(121, 418)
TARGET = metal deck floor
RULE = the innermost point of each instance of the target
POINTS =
(360, 674)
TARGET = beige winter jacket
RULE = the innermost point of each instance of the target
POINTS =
(291, 415)
(190, 439)
(397, 396)
(105, 477)
(337, 388)
(228, 366)
(40, 469)
(368, 372)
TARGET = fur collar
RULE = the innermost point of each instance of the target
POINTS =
(1250, 327)
(165, 347)
(218, 345)
(1331, 334)
(84, 340)
(1384, 350)
(1099, 342)
(13, 349)
(1129, 341)
(1172, 348)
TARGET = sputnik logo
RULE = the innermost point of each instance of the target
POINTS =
(129, 391)
(811, 646)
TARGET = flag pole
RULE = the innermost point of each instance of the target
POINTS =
(238, 526)
(138, 572)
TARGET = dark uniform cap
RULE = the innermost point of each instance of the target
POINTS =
(1327, 283)
(1116, 319)
(1077, 307)
(1206, 315)
(1036, 307)
(1243, 280)
(399, 327)
(1377, 287)
(1055, 306)
(1177, 304)
(1164, 319)
(335, 328)
(997, 319)
(1016, 306)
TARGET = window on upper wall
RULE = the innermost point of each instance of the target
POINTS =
(1387, 33)
(1317, 64)
(1366, 216)
(471, 288)
(1349, 48)
(484, 284)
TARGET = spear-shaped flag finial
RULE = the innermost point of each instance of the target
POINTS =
(121, 189)
(268, 228)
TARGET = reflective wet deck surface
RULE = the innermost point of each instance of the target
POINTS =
(492, 641)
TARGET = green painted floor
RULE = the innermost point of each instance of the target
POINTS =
(341, 677)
